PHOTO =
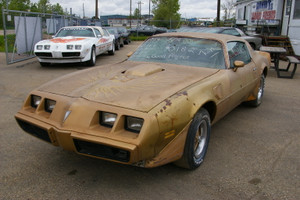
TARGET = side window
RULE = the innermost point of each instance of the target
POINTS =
(106, 32)
(97, 32)
(238, 51)
(231, 32)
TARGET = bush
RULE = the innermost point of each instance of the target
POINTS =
(10, 42)
(138, 38)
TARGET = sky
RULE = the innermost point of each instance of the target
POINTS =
(188, 8)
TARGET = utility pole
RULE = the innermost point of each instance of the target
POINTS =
(130, 17)
(83, 10)
(149, 12)
(96, 9)
(140, 9)
(218, 12)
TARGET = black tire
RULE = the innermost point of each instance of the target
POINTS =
(121, 42)
(44, 64)
(92, 60)
(117, 46)
(259, 94)
(112, 51)
(253, 46)
(197, 140)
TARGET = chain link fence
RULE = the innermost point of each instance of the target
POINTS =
(22, 30)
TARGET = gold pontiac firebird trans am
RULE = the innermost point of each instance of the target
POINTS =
(154, 108)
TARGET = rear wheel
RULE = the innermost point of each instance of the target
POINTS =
(117, 45)
(196, 141)
(92, 60)
(260, 92)
(112, 51)
(253, 46)
(121, 42)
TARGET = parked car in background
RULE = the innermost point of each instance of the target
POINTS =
(75, 44)
(156, 107)
(118, 38)
(143, 30)
(255, 42)
(124, 34)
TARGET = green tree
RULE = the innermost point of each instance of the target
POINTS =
(166, 13)
(22, 5)
(44, 6)
(57, 9)
(136, 14)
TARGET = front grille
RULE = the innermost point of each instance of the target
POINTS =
(100, 150)
(43, 54)
(34, 130)
(70, 54)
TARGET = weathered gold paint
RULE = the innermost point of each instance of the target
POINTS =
(166, 96)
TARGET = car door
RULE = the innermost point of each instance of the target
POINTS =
(242, 79)
(109, 39)
(99, 45)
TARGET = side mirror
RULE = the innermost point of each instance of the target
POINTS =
(237, 64)
(129, 54)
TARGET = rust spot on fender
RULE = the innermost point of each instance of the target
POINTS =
(183, 93)
(168, 102)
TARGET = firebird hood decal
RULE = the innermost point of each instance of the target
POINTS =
(65, 40)
(130, 85)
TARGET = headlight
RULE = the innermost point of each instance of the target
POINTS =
(133, 124)
(77, 47)
(107, 119)
(69, 47)
(35, 101)
(39, 47)
(49, 105)
(46, 47)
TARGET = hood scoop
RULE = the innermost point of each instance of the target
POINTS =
(143, 70)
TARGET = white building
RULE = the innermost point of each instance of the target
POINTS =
(281, 14)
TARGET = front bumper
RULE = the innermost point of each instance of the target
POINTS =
(83, 144)
(63, 57)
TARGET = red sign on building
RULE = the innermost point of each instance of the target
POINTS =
(256, 16)
(270, 14)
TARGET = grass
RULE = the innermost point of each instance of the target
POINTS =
(138, 38)
(10, 42)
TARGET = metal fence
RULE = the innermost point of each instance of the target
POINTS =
(22, 30)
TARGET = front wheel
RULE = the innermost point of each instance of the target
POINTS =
(92, 60)
(196, 141)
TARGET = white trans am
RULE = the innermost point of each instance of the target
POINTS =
(75, 44)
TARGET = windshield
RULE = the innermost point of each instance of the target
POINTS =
(112, 31)
(181, 51)
(209, 30)
(75, 31)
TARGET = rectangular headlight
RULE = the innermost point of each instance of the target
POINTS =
(69, 47)
(49, 105)
(77, 47)
(107, 119)
(133, 124)
(35, 101)
(46, 47)
(39, 47)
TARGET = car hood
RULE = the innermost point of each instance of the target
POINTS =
(133, 85)
(65, 40)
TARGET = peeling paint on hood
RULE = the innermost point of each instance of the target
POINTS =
(132, 85)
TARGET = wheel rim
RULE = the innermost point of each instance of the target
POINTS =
(260, 90)
(94, 56)
(200, 139)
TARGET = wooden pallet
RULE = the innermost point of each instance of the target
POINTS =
(280, 41)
